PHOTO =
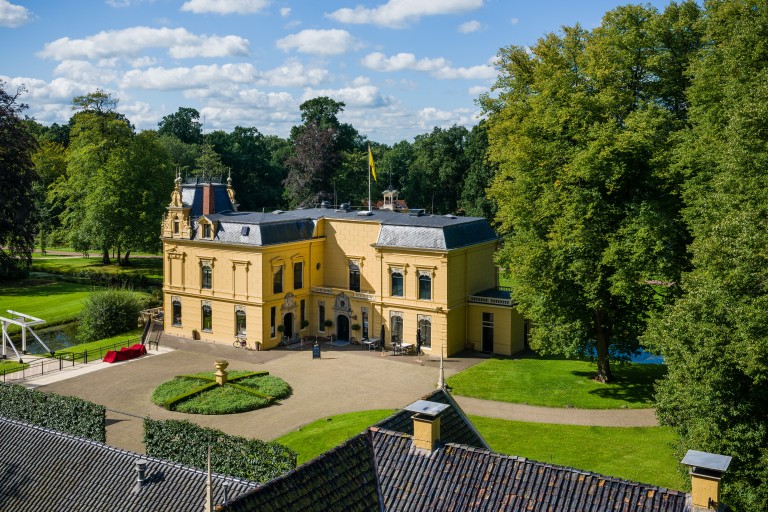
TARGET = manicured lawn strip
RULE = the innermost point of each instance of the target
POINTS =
(56, 302)
(221, 399)
(642, 454)
(320, 436)
(553, 382)
(126, 340)
(152, 268)
(11, 366)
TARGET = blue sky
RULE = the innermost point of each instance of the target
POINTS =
(401, 66)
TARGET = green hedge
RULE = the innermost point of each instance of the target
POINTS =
(110, 312)
(63, 413)
(187, 443)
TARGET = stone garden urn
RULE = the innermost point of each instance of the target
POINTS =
(221, 371)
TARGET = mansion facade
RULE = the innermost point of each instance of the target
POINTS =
(283, 275)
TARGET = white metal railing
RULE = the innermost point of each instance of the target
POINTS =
(490, 300)
(365, 296)
(322, 289)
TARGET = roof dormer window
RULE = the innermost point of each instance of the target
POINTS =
(207, 232)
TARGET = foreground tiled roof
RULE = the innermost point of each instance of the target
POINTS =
(458, 477)
(48, 471)
(380, 469)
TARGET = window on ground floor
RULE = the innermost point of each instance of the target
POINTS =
(176, 313)
(397, 328)
(207, 318)
(425, 331)
(240, 322)
(321, 317)
(272, 320)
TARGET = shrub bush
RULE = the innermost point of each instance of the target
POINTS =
(187, 443)
(63, 413)
(110, 312)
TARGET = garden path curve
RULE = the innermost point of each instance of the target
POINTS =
(563, 416)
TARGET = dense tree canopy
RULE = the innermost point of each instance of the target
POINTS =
(18, 219)
(590, 212)
(183, 124)
(715, 338)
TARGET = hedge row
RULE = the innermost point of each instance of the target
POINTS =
(132, 279)
(187, 443)
(63, 413)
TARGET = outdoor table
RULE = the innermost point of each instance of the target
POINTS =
(371, 343)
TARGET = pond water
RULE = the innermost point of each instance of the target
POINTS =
(644, 357)
(58, 337)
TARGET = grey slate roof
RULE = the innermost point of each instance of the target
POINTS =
(397, 229)
(192, 195)
(462, 474)
(48, 471)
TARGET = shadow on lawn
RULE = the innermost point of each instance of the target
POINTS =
(634, 382)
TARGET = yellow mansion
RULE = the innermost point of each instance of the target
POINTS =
(283, 275)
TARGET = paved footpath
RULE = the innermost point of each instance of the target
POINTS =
(344, 380)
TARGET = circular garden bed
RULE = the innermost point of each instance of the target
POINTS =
(200, 394)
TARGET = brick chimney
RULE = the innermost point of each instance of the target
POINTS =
(209, 204)
(706, 471)
(426, 423)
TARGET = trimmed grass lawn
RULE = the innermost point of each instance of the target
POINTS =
(320, 436)
(11, 366)
(640, 454)
(152, 268)
(553, 382)
(56, 302)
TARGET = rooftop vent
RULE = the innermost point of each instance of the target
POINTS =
(416, 212)
(325, 204)
(245, 230)
(277, 212)
(449, 216)
(141, 471)
(364, 213)
(345, 207)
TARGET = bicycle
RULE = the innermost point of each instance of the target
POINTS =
(240, 343)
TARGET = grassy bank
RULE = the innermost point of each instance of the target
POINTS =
(150, 268)
(641, 454)
(97, 349)
(553, 382)
(56, 302)
(320, 436)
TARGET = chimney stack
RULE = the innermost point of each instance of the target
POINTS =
(426, 423)
(209, 204)
(706, 471)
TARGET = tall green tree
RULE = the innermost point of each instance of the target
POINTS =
(715, 337)
(586, 201)
(311, 166)
(18, 220)
(50, 161)
(184, 124)
(473, 198)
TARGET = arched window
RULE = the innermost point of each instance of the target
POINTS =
(397, 283)
(298, 275)
(425, 331)
(207, 318)
(240, 322)
(425, 286)
(206, 279)
(176, 313)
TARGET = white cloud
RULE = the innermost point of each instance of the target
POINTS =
(126, 3)
(439, 68)
(319, 42)
(187, 77)
(294, 74)
(514, 21)
(285, 12)
(50, 101)
(399, 13)
(225, 6)
(380, 62)
(142, 62)
(130, 41)
(86, 72)
(469, 27)
(12, 15)
(360, 95)
(477, 90)
(430, 117)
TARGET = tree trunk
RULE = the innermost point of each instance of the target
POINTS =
(105, 256)
(125, 258)
(119, 259)
(603, 341)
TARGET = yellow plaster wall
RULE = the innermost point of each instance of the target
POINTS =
(508, 328)
(345, 240)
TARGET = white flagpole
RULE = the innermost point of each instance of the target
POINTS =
(369, 176)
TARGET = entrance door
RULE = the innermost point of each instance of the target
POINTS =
(342, 327)
(288, 325)
(487, 332)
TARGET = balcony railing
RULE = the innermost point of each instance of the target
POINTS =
(478, 299)
(333, 291)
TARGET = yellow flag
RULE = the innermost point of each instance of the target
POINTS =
(371, 164)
